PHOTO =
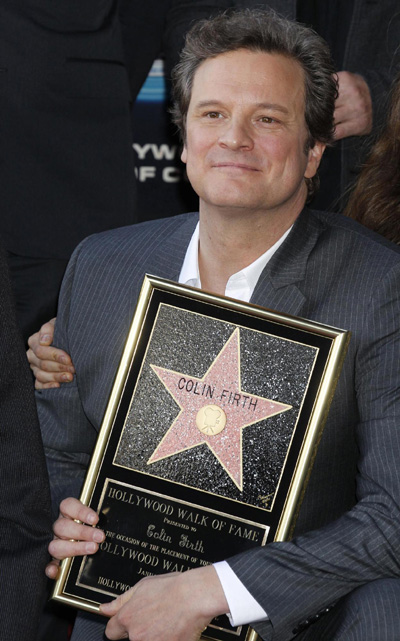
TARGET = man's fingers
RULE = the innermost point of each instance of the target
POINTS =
(43, 376)
(39, 385)
(46, 332)
(343, 130)
(112, 607)
(74, 509)
(118, 626)
(52, 569)
(68, 529)
(54, 376)
(116, 630)
(353, 109)
(172, 607)
(61, 549)
(74, 534)
(50, 365)
(50, 358)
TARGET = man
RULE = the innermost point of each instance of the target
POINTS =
(255, 100)
(25, 527)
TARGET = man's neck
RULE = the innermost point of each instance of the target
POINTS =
(230, 241)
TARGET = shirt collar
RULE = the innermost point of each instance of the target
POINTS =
(240, 285)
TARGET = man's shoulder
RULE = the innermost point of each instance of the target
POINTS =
(350, 236)
(158, 229)
(123, 255)
(335, 248)
(139, 239)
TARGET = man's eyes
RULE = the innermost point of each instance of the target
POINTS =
(218, 115)
(268, 120)
(213, 114)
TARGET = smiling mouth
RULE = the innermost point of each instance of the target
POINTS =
(235, 166)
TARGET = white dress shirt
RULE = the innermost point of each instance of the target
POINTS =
(243, 608)
(240, 285)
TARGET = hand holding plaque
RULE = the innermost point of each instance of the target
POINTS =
(74, 534)
(145, 608)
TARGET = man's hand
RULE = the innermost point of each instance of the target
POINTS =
(169, 607)
(86, 538)
(353, 107)
(50, 366)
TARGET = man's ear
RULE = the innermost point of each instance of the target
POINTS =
(184, 154)
(314, 158)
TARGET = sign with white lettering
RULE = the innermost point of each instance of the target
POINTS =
(207, 441)
(162, 186)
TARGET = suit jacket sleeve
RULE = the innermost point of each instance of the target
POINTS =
(68, 435)
(96, 305)
(295, 580)
(25, 528)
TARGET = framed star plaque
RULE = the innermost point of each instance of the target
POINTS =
(207, 441)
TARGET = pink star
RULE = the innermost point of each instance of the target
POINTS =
(214, 410)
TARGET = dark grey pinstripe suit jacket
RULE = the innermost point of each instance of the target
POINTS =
(328, 269)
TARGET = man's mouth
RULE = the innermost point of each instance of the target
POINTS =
(235, 166)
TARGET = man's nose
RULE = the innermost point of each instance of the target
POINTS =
(236, 135)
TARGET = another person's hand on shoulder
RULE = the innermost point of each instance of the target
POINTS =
(74, 534)
(50, 365)
(353, 107)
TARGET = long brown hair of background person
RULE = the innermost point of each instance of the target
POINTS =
(375, 200)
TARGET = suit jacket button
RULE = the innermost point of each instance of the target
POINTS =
(302, 626)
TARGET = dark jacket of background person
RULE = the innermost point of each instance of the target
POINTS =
(365, 42)
(66, 158)
(25, 527)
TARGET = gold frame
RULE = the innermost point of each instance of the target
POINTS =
(338, 341)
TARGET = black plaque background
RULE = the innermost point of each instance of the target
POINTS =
(271, 367)
(112, 519)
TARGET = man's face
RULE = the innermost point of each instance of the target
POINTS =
(246, 134)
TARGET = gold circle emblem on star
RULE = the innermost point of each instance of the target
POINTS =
(211, 420)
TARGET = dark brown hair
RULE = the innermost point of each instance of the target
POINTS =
(262, 31)
(375, 200)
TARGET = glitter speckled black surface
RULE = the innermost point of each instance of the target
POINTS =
(271, 367)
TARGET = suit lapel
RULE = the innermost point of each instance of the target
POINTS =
(167, 262)
(280, 284)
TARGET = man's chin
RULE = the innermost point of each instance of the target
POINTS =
(230, 205)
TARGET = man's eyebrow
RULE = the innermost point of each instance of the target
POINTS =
(271, 106)
(202, 104)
